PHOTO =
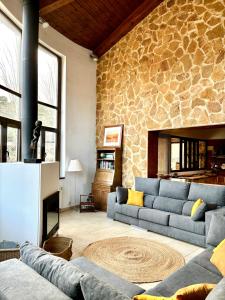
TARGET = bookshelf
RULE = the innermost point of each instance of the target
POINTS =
(108, 174)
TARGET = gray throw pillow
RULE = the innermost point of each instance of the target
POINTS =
(55, 269)
(200, 212)
(216, 230)
(121, 195)
(218, 293)
(94, 289)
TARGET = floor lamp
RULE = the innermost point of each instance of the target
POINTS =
(75, 166)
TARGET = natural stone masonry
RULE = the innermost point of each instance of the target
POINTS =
(168, 72)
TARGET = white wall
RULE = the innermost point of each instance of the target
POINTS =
(79, 98)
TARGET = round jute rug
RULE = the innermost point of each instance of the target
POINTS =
(135, 259)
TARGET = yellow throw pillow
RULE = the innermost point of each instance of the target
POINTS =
(135, 198)
(219, 246)
(148, 297)
(194, 292)
(196, 206)
(218, 258)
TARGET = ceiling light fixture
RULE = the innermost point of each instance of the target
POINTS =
(43, 23)
(94, 57)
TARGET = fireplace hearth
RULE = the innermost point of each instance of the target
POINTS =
(50, 216)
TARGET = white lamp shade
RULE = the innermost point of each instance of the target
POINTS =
(75, 166)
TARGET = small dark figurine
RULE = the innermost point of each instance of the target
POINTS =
(36, 135)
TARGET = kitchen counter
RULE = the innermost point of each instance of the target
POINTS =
(197, 176)
(201, 178)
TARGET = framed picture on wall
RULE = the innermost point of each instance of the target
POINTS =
(113, 136)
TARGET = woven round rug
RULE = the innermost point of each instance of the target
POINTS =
(135, 259)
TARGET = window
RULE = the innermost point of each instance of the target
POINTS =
(49, 90)
(10, 96)
(187, 154)
(49, 68)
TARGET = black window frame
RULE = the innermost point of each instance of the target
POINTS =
(8, 122)
(189, 164)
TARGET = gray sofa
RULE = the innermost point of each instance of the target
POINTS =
(198, 270)
(41, 276)
(167, 208)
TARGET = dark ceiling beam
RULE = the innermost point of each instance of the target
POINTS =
(129, 23)
(53, 5)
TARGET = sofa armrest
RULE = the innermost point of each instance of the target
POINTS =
(111, 201)
(210, 213)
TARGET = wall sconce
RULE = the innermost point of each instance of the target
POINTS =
(94, 57)
(43, 23)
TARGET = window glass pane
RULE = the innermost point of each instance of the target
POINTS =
(9, 54)
(175, 154)
(47, 77)
(183, 162)
(9, 105)
(202, 154)
(47, 115)
(50, 146)
(0, 143)
(12, 144)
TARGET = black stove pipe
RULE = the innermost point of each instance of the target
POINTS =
(29, 78)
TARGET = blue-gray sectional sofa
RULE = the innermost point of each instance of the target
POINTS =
(167, 208)
(39, 275)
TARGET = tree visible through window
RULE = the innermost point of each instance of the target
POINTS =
(49, 67)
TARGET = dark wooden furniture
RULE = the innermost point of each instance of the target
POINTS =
(108, 175)
(87, 205)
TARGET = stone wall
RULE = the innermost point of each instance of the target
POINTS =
(168, 72)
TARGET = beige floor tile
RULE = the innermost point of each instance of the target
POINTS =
(86, 228)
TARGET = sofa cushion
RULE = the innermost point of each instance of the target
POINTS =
(94, 289)
(190, 274)
(169, 204)
(121, 194)
(186, 223)
(218, 259)
(127, 210)
(174, 189)
(147, 185)
(126, 219)
(203, 259)
(125, 287)
(199, 214)
(149, 200)
(216, 230)
(211, 194)
(18, 281)
(55, 269)
(196, 206)
(218, 293)
(135, 198)
(187, 208)
(154, 216)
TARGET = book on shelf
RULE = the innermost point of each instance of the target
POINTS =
(106, 165)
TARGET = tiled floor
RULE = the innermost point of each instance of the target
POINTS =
(86, 228)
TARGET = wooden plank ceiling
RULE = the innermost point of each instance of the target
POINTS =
(95, 24)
